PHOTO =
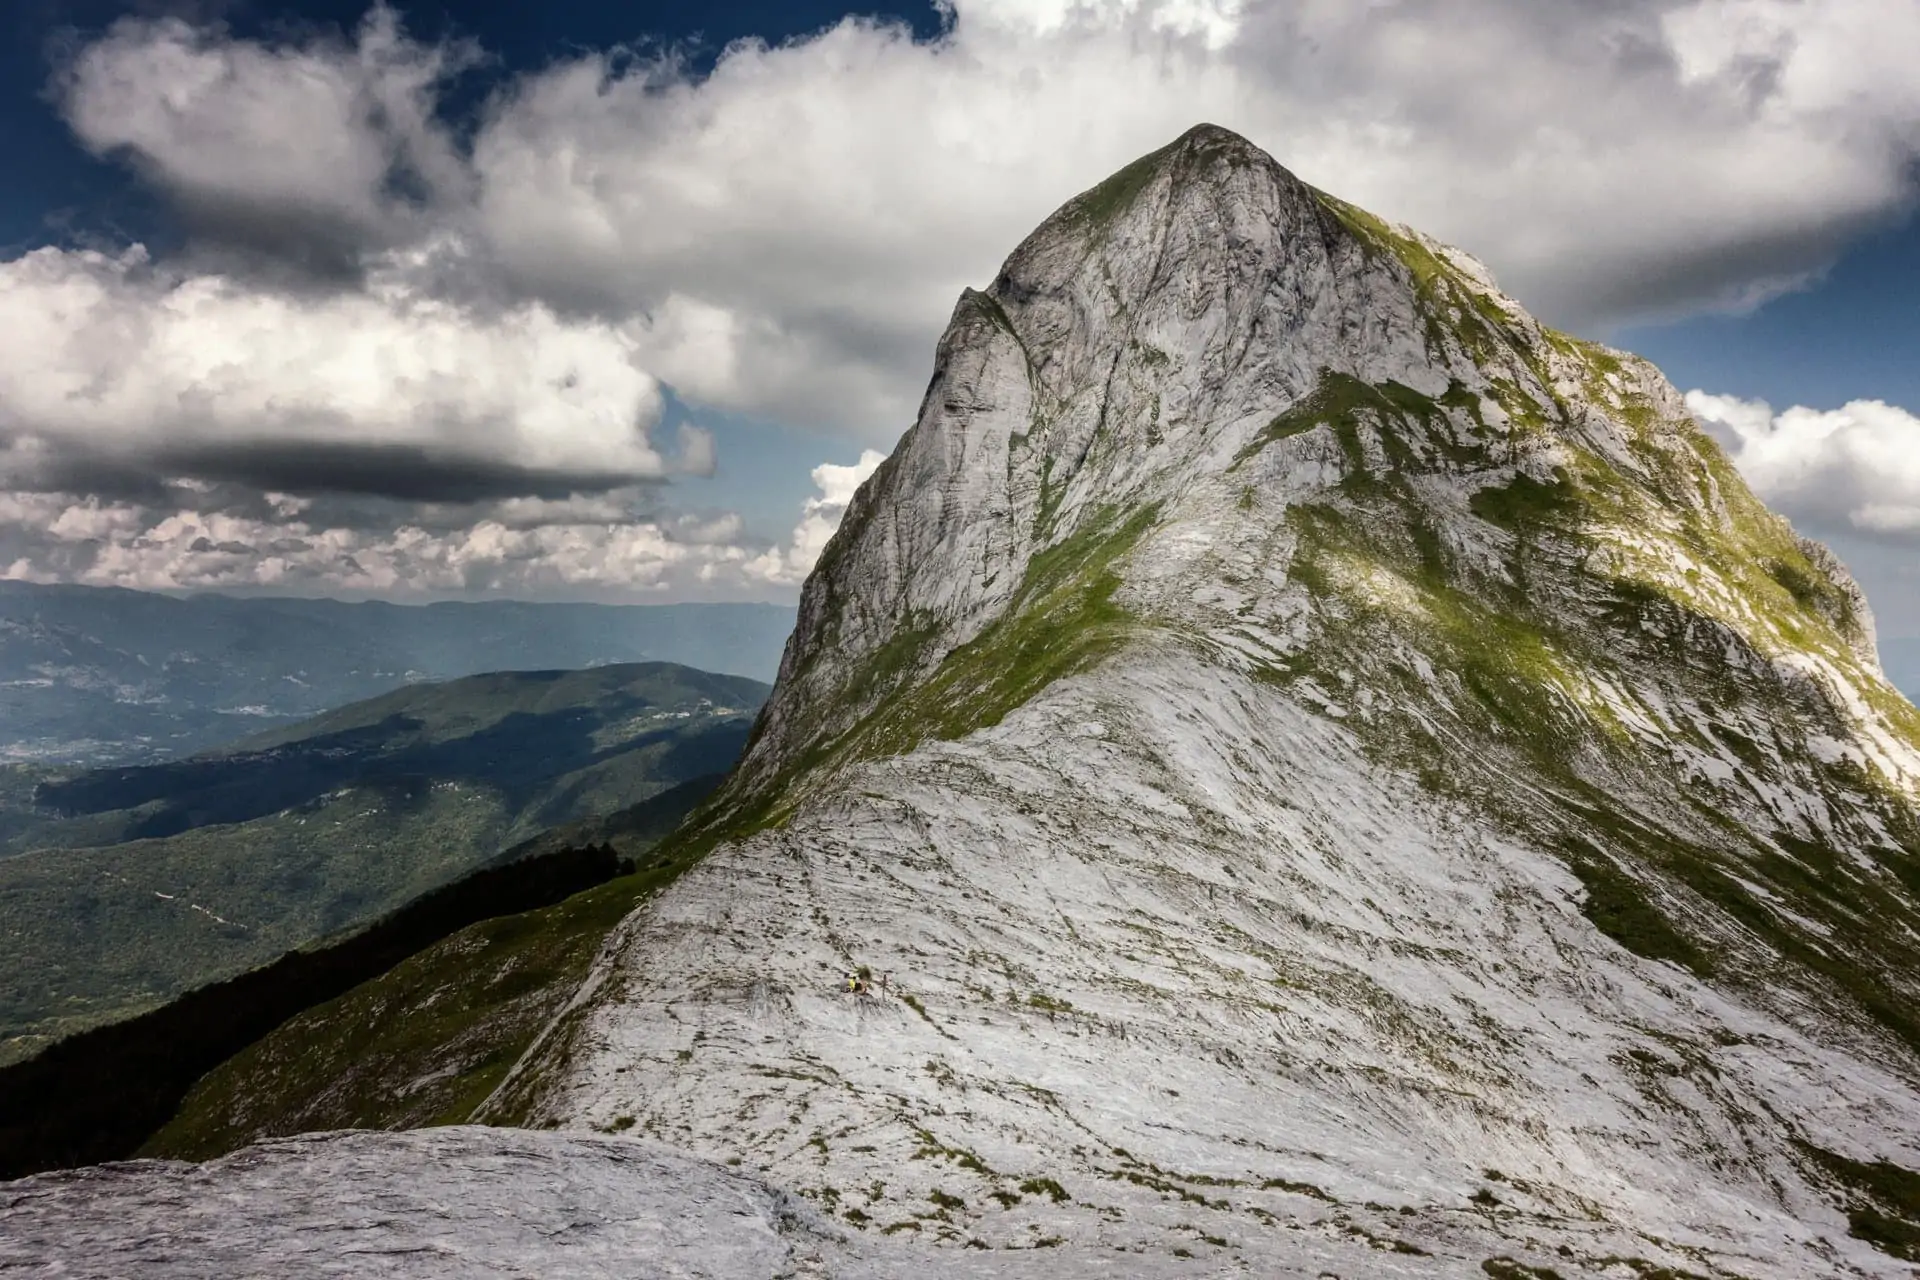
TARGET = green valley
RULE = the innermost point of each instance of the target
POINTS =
(123, 887)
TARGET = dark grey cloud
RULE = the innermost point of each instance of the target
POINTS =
(406, 472)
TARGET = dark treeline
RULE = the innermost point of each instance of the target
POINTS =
(98, 1095)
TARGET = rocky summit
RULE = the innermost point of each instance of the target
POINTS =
(1327, 776)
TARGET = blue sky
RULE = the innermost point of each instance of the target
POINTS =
(1851, 334)
(750, 249)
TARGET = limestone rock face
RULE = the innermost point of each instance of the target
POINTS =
(1321, 757)
(437, 1202)
(1329, 777)
(454, 1202)
(1142, 326)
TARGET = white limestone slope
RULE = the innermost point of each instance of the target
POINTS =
(1169, 940)
(449, 1202)
(1261, 930)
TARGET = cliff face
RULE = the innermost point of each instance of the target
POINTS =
(1337, 778)
(1143, 328)
(1320, 756)
(1205, 326)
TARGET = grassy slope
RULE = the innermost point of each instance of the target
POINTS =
(369, 807)
(1062, 619)
(1664, 591)
(1518, 654)
(424, 1043)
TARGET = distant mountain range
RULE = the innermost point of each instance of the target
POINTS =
(92, 675)
(122, 887)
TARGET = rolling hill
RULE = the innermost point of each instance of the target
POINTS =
(122, 887)
(92, 675)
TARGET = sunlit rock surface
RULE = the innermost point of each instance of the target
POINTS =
(459, 1202)
(1322, 759)
(434, 1202)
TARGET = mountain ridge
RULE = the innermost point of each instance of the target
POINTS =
(128, 885)
(1538, 633)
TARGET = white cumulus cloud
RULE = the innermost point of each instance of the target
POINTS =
(110, 360)
(818, 520)
(301, 146)
(608, 545)
(1854, 470)
(386, 292)
(788, 232)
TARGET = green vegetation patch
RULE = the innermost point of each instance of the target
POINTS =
(1524, 504)
(1618, 907)
(1858, 972)
(99, 935)
(1517, 677)
(1508, 661)
(1344, 402)
(1815, 592)
(1883, 1200)
(1442, 289)
(1100, 205)
(1336, 400)
(1508, 1269)
(1046, 1187)
(423, 1044)
(1061, 620)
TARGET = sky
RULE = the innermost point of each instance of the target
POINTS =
(582, 301)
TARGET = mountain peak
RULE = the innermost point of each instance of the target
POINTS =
(1202, 324)
(1135, 342)
(1208, 181)
(1203, 153)
(1208, 134)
